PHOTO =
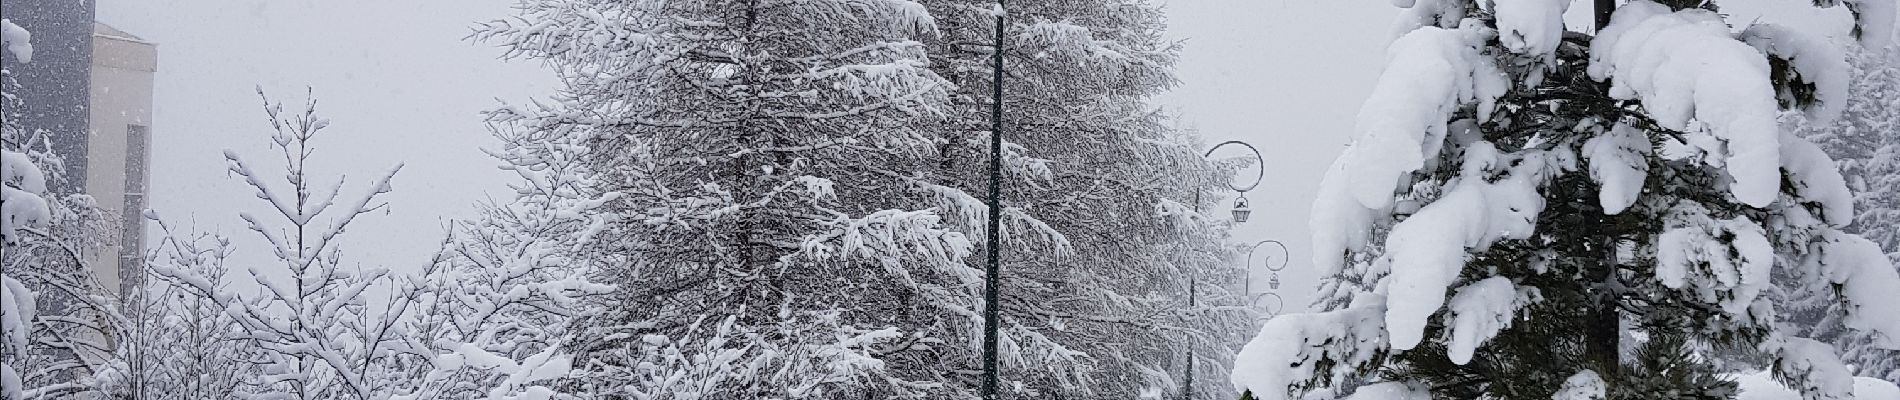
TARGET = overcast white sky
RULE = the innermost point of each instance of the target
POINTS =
(401, 85)
(397, 80)
(1287, 77)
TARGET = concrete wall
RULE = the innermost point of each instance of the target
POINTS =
(120, 136)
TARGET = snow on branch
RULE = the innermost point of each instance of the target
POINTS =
(1340, 224)
(1873, 20)
(1435, 72)
(1619, 160)
(1293, 349)
(21, 203)
(1531, 27)
(1585, 385)
(1428, 250)
(1866, 281)
(1692, 76)
(1815, 179)
(1716, 260)
(18, 41)
(315, 332)
(1482, 309)
(1820, 67)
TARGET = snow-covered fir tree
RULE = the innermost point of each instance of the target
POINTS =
(745, 153)
(57, 323)
(1865, 143)
(790, 212)
(1531, 212)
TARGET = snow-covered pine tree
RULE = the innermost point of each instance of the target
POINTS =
(745, 154)
(1667, 196)
(57, 323)
(1865, 143)
(1104, 240)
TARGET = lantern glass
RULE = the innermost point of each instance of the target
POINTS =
(1274, 282)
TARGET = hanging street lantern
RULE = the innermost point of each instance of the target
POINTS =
(1240, 209)
(1273, 282)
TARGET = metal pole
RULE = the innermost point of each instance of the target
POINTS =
(1187, 389)
(991, 283)
(1246, 289)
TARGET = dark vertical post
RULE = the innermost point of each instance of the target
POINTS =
(1603, 10)
(1187, 389)
(1607, 332)
(991, 281)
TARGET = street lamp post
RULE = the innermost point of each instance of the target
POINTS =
(1274, 303)
(1274, 283)
(991, 279)
(1241, 213)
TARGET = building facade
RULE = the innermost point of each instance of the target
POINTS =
(89, 89)
(118, 147)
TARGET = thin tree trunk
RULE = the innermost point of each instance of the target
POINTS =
(1607, 332)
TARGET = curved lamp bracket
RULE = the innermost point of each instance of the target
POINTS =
(1261, 163)
(1271, 304)
(1275, 244)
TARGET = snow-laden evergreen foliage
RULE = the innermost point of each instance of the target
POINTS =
(1529, 212)
(1865, 142)
(57, 323)
(745, 155)
(783, 194)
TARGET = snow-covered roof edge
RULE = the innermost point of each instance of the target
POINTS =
(100, 29)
